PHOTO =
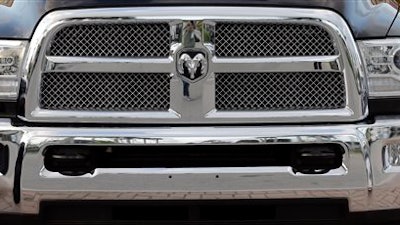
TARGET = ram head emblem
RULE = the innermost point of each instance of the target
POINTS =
(192, 68)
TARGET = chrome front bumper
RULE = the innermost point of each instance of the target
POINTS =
(363, 179)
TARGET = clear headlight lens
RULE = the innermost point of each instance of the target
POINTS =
(382, 61)
(11, 57)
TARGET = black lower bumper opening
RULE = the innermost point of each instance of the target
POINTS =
(304, 158)
(201, 212)
(196, 212)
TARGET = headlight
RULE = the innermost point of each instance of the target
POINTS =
(11, 57)
(382, 61)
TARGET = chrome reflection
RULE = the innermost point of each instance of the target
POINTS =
(192, 95)
(341, 171)
(363, 161)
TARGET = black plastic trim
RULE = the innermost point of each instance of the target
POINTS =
(17, 174)
(48, 214)
(255, 211)
(384, 106)
(4, 158)
(8, 109)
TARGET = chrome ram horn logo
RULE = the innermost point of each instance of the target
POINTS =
(192, 65)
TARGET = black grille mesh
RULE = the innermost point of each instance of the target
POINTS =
(105, 91)
(112, 40)
(280, 91)
(270, 39)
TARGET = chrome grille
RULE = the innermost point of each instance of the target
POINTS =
(280, 91)
(105, 91)
(112, 40)
(263, 65)
(271, 39)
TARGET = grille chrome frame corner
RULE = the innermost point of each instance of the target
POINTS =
(200, 110)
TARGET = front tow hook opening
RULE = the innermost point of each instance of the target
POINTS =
(70, 162)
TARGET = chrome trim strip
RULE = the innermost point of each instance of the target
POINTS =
(211, 170)
(103, 64)
(334, 114)
(276, 64)
(200, 108)
(90, 116)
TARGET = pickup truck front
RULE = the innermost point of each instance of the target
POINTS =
(232, 104)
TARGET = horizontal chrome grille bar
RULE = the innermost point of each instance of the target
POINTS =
(276, 64)
(159, 65)
(102, 64)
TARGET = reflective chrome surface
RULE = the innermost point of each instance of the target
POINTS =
(363, 178)
(193, 101)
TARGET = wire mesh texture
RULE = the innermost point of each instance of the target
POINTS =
(233, 39)
(105, 91)
(112, 40)
(280, 91)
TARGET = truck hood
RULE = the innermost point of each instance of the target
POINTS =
(367, 18)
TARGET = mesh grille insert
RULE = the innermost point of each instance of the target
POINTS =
(271, 39)
(112, 40)
(105, 91)
(280, 91)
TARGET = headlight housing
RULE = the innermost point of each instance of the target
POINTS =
(11, 58)
(382, 62)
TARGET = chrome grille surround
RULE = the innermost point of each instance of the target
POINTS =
(260, 39)
(202, 107)
(105, 91)
(112, 40)
(279, 91)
